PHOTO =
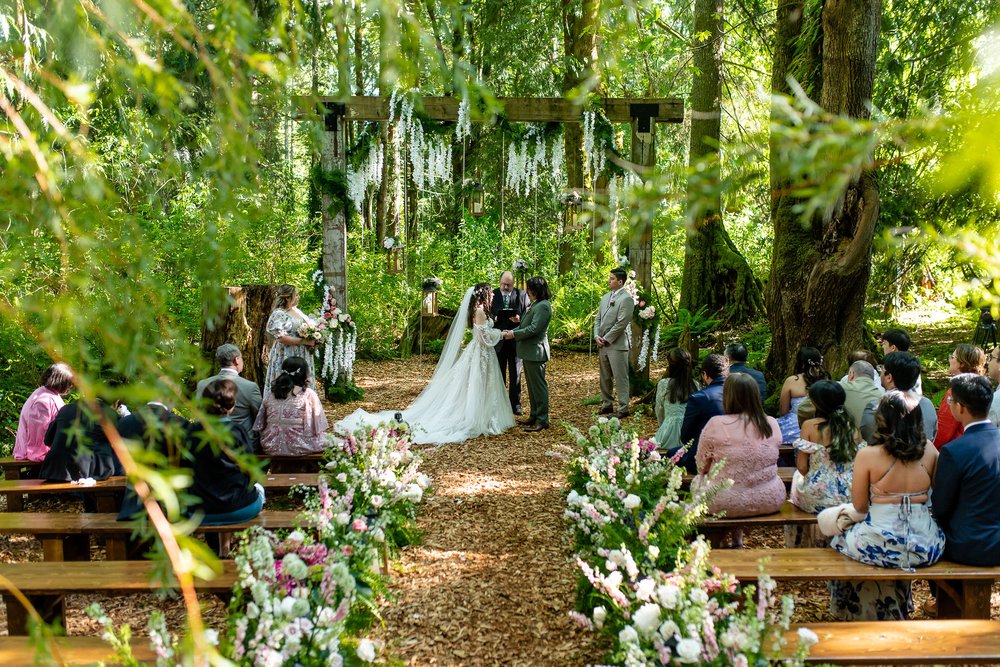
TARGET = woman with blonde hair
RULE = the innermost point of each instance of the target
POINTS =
(965, 359)
(284, 323)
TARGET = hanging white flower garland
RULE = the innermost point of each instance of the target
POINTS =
(463, 129)
(430, 155)
(656, 343)
(338, 355)
(640, 363)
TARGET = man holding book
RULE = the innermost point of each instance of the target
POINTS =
(509, 304)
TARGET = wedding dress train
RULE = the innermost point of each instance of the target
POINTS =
(465, 397)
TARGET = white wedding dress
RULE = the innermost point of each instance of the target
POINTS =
(466, 396)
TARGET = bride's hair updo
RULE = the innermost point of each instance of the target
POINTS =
(294, 373)
(285, 296)
(482, 295)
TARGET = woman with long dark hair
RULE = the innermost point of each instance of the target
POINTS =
(748, 441)
(466, 396)
(672, 393)
(808, 370)
(825, 451)
(291, 420)
(892, 483)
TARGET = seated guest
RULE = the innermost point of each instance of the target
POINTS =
(160, 430)
(825, 451)
(702, 406)
(808, 369)
(861, 389)
(39, 411)
(248, 397)
(291, 420)
(737, 354)
(225, 493)
(900, 370)
(672, 393)
(993, 373)
(78, 446)
(892, 482)
(965, 359)
(897, 340)
(748, 440)
(867, 357)
(967, 483)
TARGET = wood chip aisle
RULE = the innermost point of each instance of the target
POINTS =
(492, 583)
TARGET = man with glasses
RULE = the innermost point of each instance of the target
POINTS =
(900, 370)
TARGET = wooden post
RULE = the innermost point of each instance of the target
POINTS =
(640, 252)
(332, 159)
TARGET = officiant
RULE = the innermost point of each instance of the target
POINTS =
(509, 304)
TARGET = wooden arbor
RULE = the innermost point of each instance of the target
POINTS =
(641, 113)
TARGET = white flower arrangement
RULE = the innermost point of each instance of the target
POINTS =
(463, 128)
(656, 343)
(430, 155)
(648, 313)
(640, 363)
(389, 243)
(519, 265)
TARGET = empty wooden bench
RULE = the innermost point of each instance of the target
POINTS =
(66, 536)
(22, 652)
(14, 469)
(960, 642)
(47, 584)
(964, 589)
(108, 493)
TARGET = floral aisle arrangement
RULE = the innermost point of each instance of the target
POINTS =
(643, 584)
(648, 319)
(337, 334)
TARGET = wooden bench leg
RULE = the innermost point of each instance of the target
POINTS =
(116, 547)
(50, 607)
(15, 502)
(58, 548)
(107, 502)
(964, 599)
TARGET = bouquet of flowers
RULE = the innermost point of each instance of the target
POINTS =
(389, 243)
(340, 337)
(520, 265)
(311, 330)
(431, 284)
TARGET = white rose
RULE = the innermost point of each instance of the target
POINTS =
(273, 659)
(668, 630)
(287, 606)
(343, 317)
(807, 637)
(688, 650)
(631, 501)
(628, 635)
(645, 589)
(423, 481)
(573, 498)
(296, 536)
(413, 493)
(253, 611)
(668, 595)
(378, 535)
(654, 552)
(366, 650)
(342, 478)
(699, 596)
(342, 519)
(326, 616)
(387, 477)
(377, 501)
(647, 618)
(613, 580)
(600, 614)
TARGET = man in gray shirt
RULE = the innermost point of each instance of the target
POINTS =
(861, 389)
(248, 396)
(900, 370)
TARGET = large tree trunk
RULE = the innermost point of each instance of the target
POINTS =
(242, 323)
(640, 245)
(581, 21)
(715, 273)
(333, 208)
(820, 270)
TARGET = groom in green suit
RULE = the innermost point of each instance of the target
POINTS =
(533, 349)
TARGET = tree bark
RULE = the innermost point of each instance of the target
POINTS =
(820, 270)
(242, 323)
(715, 274)
(581, 22)
(640, 253)
(333, 158)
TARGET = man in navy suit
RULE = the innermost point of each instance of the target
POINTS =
(966, 491)
(737, 355)
(702, 406)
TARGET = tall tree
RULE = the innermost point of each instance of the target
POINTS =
(581, 22)
(820, 269)
(715, 273)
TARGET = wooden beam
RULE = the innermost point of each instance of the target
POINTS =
(515, 109)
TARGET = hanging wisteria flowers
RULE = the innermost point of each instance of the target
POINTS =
(339, 336)
(430, 155)
(463, 129)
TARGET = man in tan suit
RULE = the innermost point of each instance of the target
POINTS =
(611, 335)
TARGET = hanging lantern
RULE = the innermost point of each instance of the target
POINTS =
(476, 200)
(396, 259)
(571, 210)
(429, 302)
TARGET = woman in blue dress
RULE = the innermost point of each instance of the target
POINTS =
(808, 369)
(892, 482)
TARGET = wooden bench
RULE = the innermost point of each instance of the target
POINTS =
(108, 493)
(964, 589)
(788, 515)
(74, 651)
(784, 474)
(902, 642)
(66, 536)
(47, 584)
(14, 469)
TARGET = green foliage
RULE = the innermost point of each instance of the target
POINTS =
(689, 328)
(343, 391)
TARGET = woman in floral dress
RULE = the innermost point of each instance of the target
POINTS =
(284, 323)
(291, 421)
(892, 483)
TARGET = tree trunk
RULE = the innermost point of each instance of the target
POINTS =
(715, 273)
(820, 271)
(334, 211)
(580, 47)
(640, 245)
(242, 323)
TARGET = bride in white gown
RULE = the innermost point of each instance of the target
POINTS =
(466, 396)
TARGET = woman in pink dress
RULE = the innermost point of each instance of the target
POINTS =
(749, 441)
(39, 411)
(291, 420)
